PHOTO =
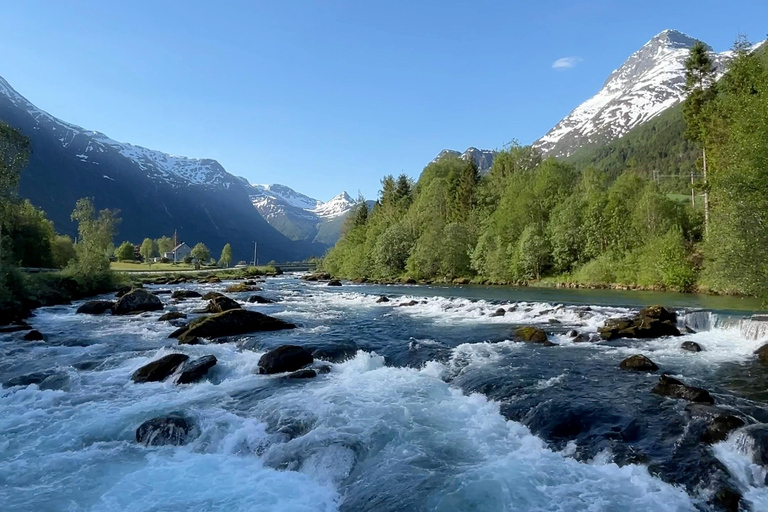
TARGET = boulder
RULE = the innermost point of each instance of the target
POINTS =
(302, 374)
(335, 353)
(638, 363)
(26, 380)
(194, 370)
(258, 299)
(720, 427)
(691, 346)
(408, 304)
(669, 386)
(573, 333)
(334, 282)
(317, 276)
(212, 295)
(762, 353)
(166, 430)
(137, 301)
(727, 499)
(499, 312)
(382, 299)
(122, 291)
(221, 304)
(582, 338)
(159, 369)
(287, 358)
(161, 292)
(241, 287)
(531, 335)
(95, 307)
(172, 315)
(231, 323)
(34, 335)
(185, 294)
(753, 441)
(650, 322)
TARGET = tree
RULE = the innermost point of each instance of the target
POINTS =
(63, 251)
(226, 256)
(164, 245)
(200, 252)
(125, 252)
(94, 236)
(700, 85)
(147, 250)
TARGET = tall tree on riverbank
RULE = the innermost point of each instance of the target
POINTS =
(95, 234)
(147, 250)
(226, 256)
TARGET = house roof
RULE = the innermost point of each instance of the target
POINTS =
(182, 244)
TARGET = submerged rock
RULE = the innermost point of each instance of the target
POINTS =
(161, 292)
(335, 353)
(95, 307)
(408, 304)
(762, 353)
(287, 358)
(669, 386)
(34, 335)
(691, 346)
(382, 299)
(185, 294)
(334, 282)
(137, 301)
(242, 287)
(173, 315)
(258, 299)
(753, 441)
(727, 499)
(302, 374)
(212, 295)
(231, 323)
(221, 304)
(159, 369)
(499, 312)
(531, 334)
(650, 322)
(196, 369)
(166, 430)
(638, 362)
(720, 427)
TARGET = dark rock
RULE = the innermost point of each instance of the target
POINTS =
(382, 299)
(137, 301)
(499, 312)
(172, 315)
(334, 282)
(317, 276)
(55, 381)
(194, 370)
(461, 280)
(408, 304)
(727, 500)
(185, 294)
(582, 338)
(762, 353)
(554, 321)
(161, 292)
(189, 340)
(242, 287)
(511, 309)
(122, 291)
(324, 368)
(286, 358)
(572, 333)
(95, 307)
(26, 380)
(639, 363)
(672, 387)
(302, 374)
(720, 427)
(753, 440)
(335, 353)
(167, 430)
(691, 346)
(650, 322)
(531, 335)
(159, 369)
(34, 335)
(258, 299)
(231, 323)
(221, 304)
(212, 295)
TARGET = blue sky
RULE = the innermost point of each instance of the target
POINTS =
(326, 96)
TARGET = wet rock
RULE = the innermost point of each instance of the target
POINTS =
(762, 353)
(159, 369)
(334, 282)
(122, 291)
(34, 335)
(323, 369)
(258, 299)
(242, 287)
(173, 315)
(317, 276)
(302, 374)
(196, 369)
(26, 380)
(511, 309)
(287, 358)
(408, 304)
(532, 335)
(212, 295)
(161, 292)
(382, 299)
(669, 386)
(137, 301)
(727, 500)
(753, 440)
(691, 346)
(572, 333)
(95, 307)
(231, 323)
(499, 312)
(720, 427)
(639, 363)
(461, 280)
(335, 353)
(55, 381)
(189, 340)
(166, 430)
(650, 322)
(582, 338)
(554, 321)
(221, 304)
(185, 294)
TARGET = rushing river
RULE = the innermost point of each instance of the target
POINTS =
(434, 408)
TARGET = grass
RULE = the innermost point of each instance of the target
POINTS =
(686, 199)
(130, 266)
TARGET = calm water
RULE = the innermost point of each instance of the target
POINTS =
(434, 409)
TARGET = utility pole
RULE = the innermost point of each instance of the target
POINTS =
(255, 253)
(706, 190)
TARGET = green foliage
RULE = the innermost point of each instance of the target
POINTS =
(63, 251)
(125, 252)
(148, 249)
(226, 256)
(164, 245)
(95, 234)
(200, 252)
(29, 236)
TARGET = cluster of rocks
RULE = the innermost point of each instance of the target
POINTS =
(183, 370)
(650, 322)
(135, 301)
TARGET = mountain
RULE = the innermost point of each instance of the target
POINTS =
(156, 193)
(300, 217)
(649, 82)
(483, 158)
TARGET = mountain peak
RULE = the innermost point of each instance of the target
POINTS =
(673, 38)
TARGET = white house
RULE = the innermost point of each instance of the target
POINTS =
(179, 252)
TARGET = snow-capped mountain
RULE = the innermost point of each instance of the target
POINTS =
(156, 193)
(483, 158)
(649, 82)
(340, 205)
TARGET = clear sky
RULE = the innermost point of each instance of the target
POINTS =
(326, 96)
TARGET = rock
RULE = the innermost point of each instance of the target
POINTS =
(185, 294)
(194, 370)
(573, 333)
(727, 500)
(639, 363)
(231, 323)
(212, 295)
(382, 299)
(258, 299)
(720, 427)
(189, 340)
(172, 315)
(334, 282)
(159, 369)
(408, 304)
(221, 304)
(499, 312)
(241, 287)
(691, 346)
(302, 374)
(582, 338)
(669, 386)
(55, 381)
(161, 292)
(335, 353)
(287, 358)
(461, 280)
(34, 335)
(531, 335)
(137, 301)
(753, 441)
(317, 276)
(167, 430)
(95, 307)
(122, 291)
(650, 322)
(26, 380)
(762, 353)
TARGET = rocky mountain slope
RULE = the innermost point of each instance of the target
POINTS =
(483, 158)
(156, 193)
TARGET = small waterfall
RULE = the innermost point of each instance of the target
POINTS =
(754, 327)
(702, 320)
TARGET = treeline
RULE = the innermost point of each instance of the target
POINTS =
(531, 219)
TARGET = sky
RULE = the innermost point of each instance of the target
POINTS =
(325, 96)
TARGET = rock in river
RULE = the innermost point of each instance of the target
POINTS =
(258, 299)
(185, 294)
(166, 430)
(691, 346)
(159, 369)
(173, 315)
(334, 282)
(638, 362)
(672, 387)
(532, 335)
(287, 358)
(650, 322)
(34, 335)
(221, 304)
(194, 370)
(137, 301)
(231, 323)
(762, 353)
(95, 307)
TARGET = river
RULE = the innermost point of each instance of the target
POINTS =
(434, 408)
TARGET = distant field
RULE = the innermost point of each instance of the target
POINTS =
(126, 266)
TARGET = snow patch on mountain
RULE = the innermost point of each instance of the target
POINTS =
(339, 205)
(281, 193)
